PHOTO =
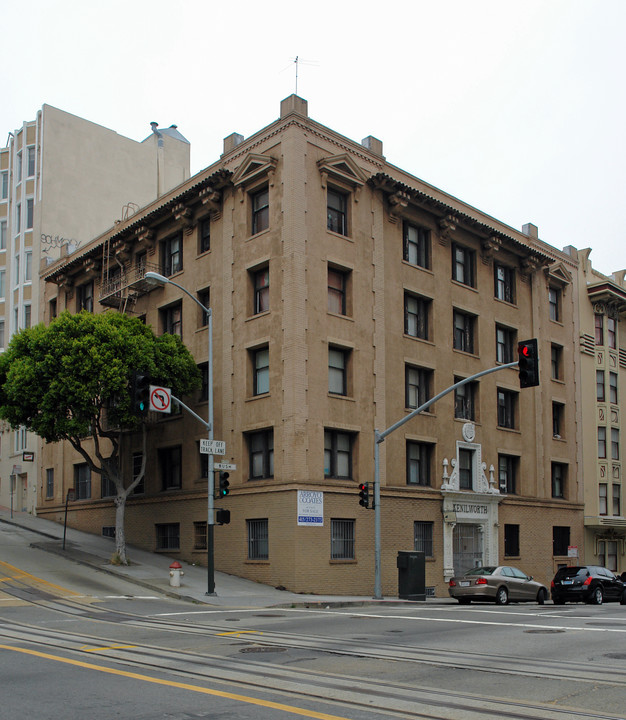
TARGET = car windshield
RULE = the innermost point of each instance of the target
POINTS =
(481, 571)
(571, 571)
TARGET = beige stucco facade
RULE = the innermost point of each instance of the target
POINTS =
(344, 292)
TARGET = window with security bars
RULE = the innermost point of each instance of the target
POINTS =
(200, 535)
(167, 536)
(49, 483)
(258, 539)
(341, 539)
(423, 537)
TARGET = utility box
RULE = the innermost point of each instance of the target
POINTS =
(411, 566)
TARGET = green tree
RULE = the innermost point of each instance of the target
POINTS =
(70, 381)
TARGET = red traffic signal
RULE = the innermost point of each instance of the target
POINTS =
(528, 363)
(364, 495)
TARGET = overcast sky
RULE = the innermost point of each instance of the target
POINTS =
(515, 107)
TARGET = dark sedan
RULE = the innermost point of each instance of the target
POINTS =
(499, 583)
(587, 583)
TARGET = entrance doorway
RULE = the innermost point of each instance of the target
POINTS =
(468, 547)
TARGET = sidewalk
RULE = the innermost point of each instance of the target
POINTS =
(151, 571)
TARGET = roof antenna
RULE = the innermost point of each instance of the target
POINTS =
(296, 63)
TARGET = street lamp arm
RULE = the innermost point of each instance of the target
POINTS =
(162, 280)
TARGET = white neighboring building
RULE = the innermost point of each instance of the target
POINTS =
(63, 181)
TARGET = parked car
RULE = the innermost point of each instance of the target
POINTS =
(499, 583)
(587, 583)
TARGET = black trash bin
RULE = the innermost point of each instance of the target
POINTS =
(411, 575)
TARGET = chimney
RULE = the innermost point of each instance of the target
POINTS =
(231, 142)
(531, 230)
(294, 104)
(373, 144)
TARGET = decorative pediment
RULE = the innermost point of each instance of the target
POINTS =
(253, 168)
(558, 274)
(343, 169)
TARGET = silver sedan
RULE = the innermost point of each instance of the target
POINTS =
(500, 584)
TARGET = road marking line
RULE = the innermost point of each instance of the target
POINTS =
(237, 633)
(181, 686)
(110, 647)
(23, 573)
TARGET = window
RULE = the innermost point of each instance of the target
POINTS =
(341, 539)
(3, 275)
(27, 315)
(49, 483)
(558, 477)
(463, 265)
(167, 536)
(612, 332)
(607, 554)
(31, 160)
(507, 473)
(260, 210)
(614, 443)
(170, 463)
(204, 242)
(416, 245)
(338, 359)
(3, 234)
(423, 538)
(200, 535)
(337, 209)
(603, 499)
(507, 407)
(261, 450)
(28, 266)
(337, 291)
(560, 540)
(261, 375)
(204, 296)
(140, 488)
(107, 487)
(5, 186)
(463, 331)
(172, 255)
(465, 400)
(52, 308)
(602, 442)
(17, 272)
(600, 396)
(82, 481)
(258, 539)
(337, 454)
(2, 334)
(417, 384)
(599, 326)
(617, 500)
(18, 218)
(613, 388)
(172, 320)
(554, 304)
(466, 473)
(21, 439)
(204, 379)
(505, 344)
(85, 297)
(19, 171)
(416, 313)
(504, 283)
(511, 541)
(30, 211)
(418, 463)
(558, 414)
(261, 290)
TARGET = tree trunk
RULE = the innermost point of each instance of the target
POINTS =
(120, 535)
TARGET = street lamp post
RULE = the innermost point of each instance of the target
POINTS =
(162, 280)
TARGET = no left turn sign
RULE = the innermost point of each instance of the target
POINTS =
(160, 399)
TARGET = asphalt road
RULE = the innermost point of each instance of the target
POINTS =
(77, 643)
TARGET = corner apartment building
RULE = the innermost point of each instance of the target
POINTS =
(345, 292)
(63, 180)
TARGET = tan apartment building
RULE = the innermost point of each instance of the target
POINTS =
(63, 180)
(344, 292)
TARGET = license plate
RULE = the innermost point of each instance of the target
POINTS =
(464, 583)
(566, 582)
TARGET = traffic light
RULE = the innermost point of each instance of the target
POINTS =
(364, 494)
(528, 357)
(140, 392)
(223, 485)
(222, 517)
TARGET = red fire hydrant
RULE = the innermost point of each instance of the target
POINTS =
(176, 572)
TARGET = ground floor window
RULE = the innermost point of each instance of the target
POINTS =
(200, 535)
(82, 481)
(258, 539)
(49, 482)
(167, 536)
(560, 540)
(511, 540)
(423, 537)
(342, 539)
(607, 554)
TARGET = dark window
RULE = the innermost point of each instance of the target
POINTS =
(200, 535)
(602, 442)
(337, 207)
(558, 414)
(261, 376)
(507, 406)
(167, 536)
(511, 540)
(507, 473)
(31, 161)
(466, 472)
(107, 487)
(418, 463)
(30, 213)
(258, 539)
(465, 400)
(603, 499)
(463, 331)
(416, 312)
(261, 290)
(600, 385)
(172, 319)
(506, 341)
(613, 387)
(205, 235)
(170, 460)
(204, 379)
(5, 186)
(463, 265)
(53, 308)
(140, 488)
(556, 361)
(337, 454)
(337, 284)
(341, 539)
(204, 296)
(172, 255)
(612, 332)
(82, 481)
(49, 482)
(617, 500)
(599, 327)
(338, 360)
(417, 384)
(261, 450)
(416, 246)
(554, 303)
(504, 283)
(85, 297)
(423, 538)
(614, 443)
(560, 540)
(558, 477)
(260, 211)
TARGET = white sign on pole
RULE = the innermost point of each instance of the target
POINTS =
(212, 447)
(224, 466)
(160, 399)
(310, 508)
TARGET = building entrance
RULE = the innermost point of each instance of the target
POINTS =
(467, 547)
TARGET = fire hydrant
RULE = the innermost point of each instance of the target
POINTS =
(176, 572)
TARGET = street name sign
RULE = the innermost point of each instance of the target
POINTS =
(224, 466)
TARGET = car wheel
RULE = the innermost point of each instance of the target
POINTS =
(542, 596)
(596, 596)
(502, 596)
(622, 600)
